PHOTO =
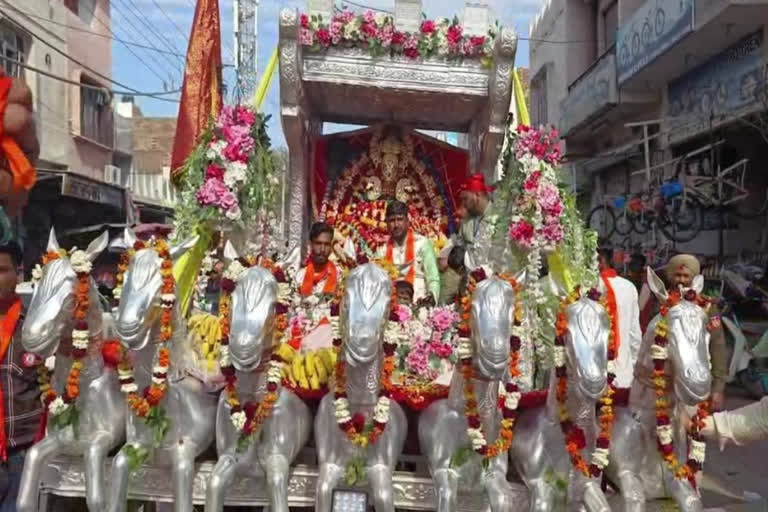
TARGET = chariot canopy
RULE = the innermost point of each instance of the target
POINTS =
(394, 93)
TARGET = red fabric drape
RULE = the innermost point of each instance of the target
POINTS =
(201, 91)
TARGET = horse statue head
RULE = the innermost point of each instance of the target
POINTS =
(138, 314)
(589, 329)
(366, 303)
(252, 314)
(687, 340)
(49, 317)
(493, 314)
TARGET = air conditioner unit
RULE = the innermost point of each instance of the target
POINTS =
(113, 174)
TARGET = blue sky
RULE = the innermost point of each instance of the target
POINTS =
(171, 20)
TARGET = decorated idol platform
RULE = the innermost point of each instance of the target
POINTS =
(316, 366)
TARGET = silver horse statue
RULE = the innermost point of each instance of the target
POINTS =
(191, 410)
(538, 449)
(287, 430)
(443, 425)
(636, 465)
(101, 425)
(364, 313)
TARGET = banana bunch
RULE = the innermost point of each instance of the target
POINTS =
(310, 370)
(207, 331)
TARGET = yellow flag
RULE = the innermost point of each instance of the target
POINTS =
(266, 81)
(522, 115)
(186, 268)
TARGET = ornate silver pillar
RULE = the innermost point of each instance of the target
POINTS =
(292, 115)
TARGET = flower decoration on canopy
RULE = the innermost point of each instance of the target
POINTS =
(375, 32)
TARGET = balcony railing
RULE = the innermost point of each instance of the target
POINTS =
(590, 94)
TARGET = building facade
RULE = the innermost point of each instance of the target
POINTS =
(660, 91)
(79, 186)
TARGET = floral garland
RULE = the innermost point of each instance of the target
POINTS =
(147, 405)
(355, 427)
(510, 399)
(377, 33)
(664, 430)
(62, 407)
(247, 418)
(575, 440)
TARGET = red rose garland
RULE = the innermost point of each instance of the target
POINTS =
(575, 439)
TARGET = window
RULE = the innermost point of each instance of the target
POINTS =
(96, 114)
(13, 49)
(539, 98)
(610, 24)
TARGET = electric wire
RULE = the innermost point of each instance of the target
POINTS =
(131, 7)
(178, 29)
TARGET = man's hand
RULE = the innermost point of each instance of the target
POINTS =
(18, 123)
(427, 301)
(718, 400)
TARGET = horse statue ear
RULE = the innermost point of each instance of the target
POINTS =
(97, 246)
(556, 287)
(53, 243)
(129, 238)
(292, 261)
(177, 251)
(657, 285)
(230, 253)
(698, 283)
(521, 276)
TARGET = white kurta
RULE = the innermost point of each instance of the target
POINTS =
(628, 313)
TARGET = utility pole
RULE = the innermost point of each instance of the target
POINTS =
(246, 25)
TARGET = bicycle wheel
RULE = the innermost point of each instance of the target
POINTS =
(603, 220)
(623, 225)
(683, 226)
(645, 34)
(642, 223)
(635, 44)
(659, 21)
(748, 209)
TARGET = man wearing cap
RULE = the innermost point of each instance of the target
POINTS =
(475, 230)
(679, 273)
(413, 255)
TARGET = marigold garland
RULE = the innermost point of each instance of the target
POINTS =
(509, 402)
(575, 440)
(147, 405)
(664, 430)
(56, 404)
(248, 417)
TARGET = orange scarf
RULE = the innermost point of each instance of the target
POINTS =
(311, 279)
(21, 169)
(7, 329)
(611, 302)
(410, 254)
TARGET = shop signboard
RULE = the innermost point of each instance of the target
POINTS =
(728, 85)
(93, 191)
(653, 29)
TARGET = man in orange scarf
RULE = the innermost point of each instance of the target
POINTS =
(621, 296)
(413, 254)
(320, 277)
(20, 407)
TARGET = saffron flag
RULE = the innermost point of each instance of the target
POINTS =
(201, 91)
(200, 102)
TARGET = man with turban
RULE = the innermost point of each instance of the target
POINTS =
(476, 229)
(679, 272)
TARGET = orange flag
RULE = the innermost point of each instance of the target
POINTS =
(201, 92)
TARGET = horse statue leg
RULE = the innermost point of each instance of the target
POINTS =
(594, 499)
(632, 491)
(183, 456)
(497, 489)
(446, 482)
(685, 496)
(543, 495)
(121, 470)
(380, 476)
(330, 475)
(277, 466)
(94, 457)
(221, 478)
(37, 458)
